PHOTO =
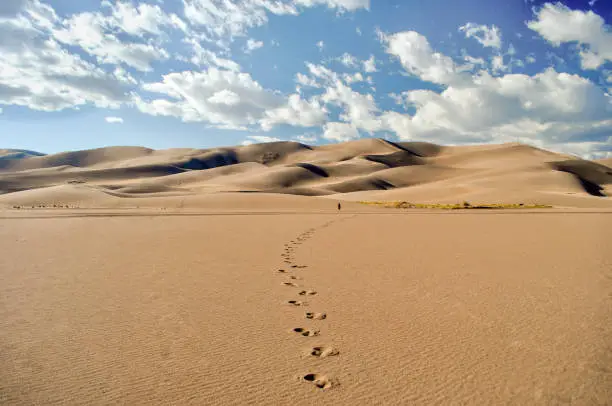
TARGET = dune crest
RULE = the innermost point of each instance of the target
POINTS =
(366, 169)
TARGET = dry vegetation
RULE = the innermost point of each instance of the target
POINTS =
(455, 206)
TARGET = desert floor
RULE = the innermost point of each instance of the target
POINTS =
(152, 307)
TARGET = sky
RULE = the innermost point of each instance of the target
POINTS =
(207, 73)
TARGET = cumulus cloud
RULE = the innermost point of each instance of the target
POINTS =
(348, 5)
(252, 45)
(340, 132)
(227, 19)
(369, 65)
(485, 35)
(93, 33)
(113, 120)
(321, 45)
(141, 19)
(359, 109)
(419, 59)
(558, 24)
(296, 112)
(252, 139)
(532, 108)
(306, 138)
(348, 60)
(204, 57)
(38, 73)
(226, 99)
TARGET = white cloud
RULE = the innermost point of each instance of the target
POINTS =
(369, 65)
(530, 59)
(321, 45)
(348, 5)
(348, 60)
(141, 19)
(252, 139)
(306, 138)
(226, 99)
(357, 108)
(38, 73)
(417, 57)
(203, 57)
(471, 62)
(114, 120)
(93, 33)
(497, 64)
(558, 24)
(227, 19)
(502, 108)
(1, 110)
(485, 35)
(296, 112)
(340, 132)
(306, 81)
(224, 96)
(354, 78)
(252, 45)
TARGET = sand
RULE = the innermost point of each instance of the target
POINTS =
(187, 306)
(366, 169)
(227, 276)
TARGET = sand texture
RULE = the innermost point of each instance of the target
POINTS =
(363, 170)
(292, 304)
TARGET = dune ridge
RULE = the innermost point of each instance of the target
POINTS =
(366, 169)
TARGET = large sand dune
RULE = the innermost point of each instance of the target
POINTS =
(367, 169)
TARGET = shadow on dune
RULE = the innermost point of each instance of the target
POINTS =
(314, 169)
(591, 175)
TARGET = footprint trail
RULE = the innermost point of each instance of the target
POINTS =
(320, 381)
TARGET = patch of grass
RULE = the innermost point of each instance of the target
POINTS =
(454, 206)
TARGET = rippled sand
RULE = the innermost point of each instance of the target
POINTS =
(387, 308)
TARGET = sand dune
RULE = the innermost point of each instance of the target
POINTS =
(367, 169)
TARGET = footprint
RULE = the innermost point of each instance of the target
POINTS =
(297, 303)
(281, 271)
(305, 332)
(294, 277)
(320, 381)
(324, 351)
(316, 316)
(306, 292)
(293, 285)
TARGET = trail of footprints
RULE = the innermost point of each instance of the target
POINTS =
(296, 284)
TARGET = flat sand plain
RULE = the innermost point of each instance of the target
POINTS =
(398, 307)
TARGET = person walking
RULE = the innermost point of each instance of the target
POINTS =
(339, 206)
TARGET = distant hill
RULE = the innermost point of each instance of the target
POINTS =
(18, 153)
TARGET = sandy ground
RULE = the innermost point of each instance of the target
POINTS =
(420, 308)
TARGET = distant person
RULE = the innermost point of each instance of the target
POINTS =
(339, 206)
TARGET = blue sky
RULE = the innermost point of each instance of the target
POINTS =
(205, 73)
